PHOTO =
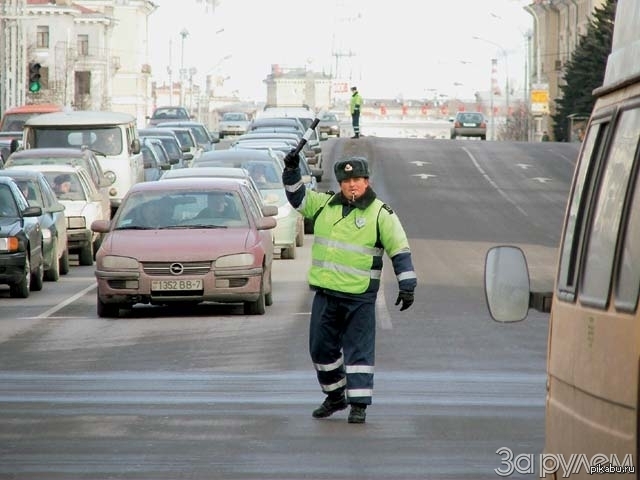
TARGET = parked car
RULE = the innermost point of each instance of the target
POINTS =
(188, 141)
(329, 125)
(53, 223)
(83, 205)
(21, 256)
(203, 138)
(65, 156)
(469, 124)
(225, 253)
(233, 123)
(154, 164)
(171, 145)
(167, 114)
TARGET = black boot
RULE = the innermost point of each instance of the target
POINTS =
(358, 413)
(330, 406)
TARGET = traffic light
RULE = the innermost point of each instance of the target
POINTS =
(34, 77)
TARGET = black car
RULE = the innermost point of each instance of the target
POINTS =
(200, 132)
(171, 144)
(53, 223)
(167, 114)
(21, 257)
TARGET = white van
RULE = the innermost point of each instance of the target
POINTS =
(593, 361)
(112, 136)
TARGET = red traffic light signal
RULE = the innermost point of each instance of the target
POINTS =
(34, 77)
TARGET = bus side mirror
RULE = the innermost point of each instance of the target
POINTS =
(135, 146)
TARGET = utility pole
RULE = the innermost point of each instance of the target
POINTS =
(183, 74)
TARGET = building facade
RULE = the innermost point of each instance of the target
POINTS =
(298, 86)
(93, 54)
(558, 26)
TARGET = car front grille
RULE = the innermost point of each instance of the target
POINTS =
(170, 268)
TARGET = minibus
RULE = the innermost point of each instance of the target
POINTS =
(112, 136)
(14, 118)
(593, 359)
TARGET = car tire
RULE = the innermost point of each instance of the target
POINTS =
(268, 297)
(22, 288)
(53, 273)
(85, 256)
(308, 226)
(453, 137)
(483, 137)
(107, 310)
(300, 237)
(257, 307)
(288, 253)
(64, 262)
(37, 277)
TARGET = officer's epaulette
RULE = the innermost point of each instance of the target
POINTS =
(387, 208)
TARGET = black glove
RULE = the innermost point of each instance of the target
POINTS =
(406, 298)
(292, 160)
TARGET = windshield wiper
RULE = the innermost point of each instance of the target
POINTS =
(134, 227)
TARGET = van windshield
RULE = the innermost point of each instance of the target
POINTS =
(103, 140)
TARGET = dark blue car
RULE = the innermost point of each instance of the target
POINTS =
(21, 256)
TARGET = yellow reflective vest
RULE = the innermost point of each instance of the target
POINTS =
(346, 254)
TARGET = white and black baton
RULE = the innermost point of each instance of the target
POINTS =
(305, 138)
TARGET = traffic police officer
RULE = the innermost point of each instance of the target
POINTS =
(355, 104)
(352, 231)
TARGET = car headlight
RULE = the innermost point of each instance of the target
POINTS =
(115, 262)
(9, 244)
(284, 211)
(237, 260)
(76, 222)
(111, 176)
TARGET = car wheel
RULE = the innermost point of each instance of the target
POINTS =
(288, 253)
(107, 310)
(300, 236)
(53, 273)
(483, 137)
(257, 307)
(453, 137)
(308, 226)
(85, 257)
(64, 262)
(268, 297)
(37, 277)
(21, 289)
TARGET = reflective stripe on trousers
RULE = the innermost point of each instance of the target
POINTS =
(342, 345)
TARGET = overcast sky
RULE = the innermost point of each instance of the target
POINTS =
(409, 48)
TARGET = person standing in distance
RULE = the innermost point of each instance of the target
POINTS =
(355, 106)
(352, 229)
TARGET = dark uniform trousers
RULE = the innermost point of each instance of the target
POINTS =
(342, 345)
(355, 122)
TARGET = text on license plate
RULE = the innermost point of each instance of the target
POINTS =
(165, 285)
(469, 125)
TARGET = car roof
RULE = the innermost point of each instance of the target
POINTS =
(50, 152)
(156, 132)
(50, 168)
(181, 123)
(230, 154)
(21, 173)
(190, 183)
(80, 118)
(221, 172)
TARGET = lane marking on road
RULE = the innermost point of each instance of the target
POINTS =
(66, 302)
(492, 183)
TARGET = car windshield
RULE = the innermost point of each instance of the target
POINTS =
(234, 117)
(470, 118)
(169, 113)
(184, 137)
(329, 117)
(31, 192)
(182, 209)
(8, 207)
(66, 186)
(264, 174)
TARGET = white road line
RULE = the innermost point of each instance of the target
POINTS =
(66, 302)
(492, 183)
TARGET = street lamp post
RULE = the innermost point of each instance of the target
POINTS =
(506, 68)
(184, 33)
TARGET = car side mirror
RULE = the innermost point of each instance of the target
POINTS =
(135, 146)
(266, 223)
(165, 166)
(100, 226)
(269, 210)
(32, 212)
(174, 161)
(506, 284)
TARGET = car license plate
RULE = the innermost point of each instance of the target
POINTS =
(469, 125)
(169, 285)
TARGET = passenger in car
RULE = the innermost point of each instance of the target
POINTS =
(217, 207)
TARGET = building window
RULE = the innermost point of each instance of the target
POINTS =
(42, 37)
(83, 45)
(83, 83)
